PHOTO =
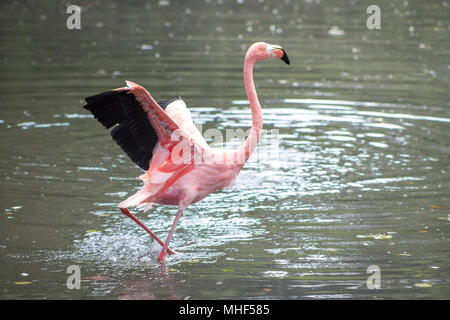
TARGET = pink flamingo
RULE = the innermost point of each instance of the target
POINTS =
(180, 167)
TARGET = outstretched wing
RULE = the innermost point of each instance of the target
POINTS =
(139, 121)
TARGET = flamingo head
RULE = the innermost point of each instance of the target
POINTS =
(264, 51)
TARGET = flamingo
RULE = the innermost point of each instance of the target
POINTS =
(160, 137)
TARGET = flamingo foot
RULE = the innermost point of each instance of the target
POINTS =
(162, 256)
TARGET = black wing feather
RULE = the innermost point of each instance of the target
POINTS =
(133, 131)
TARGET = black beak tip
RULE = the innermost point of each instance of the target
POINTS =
(285, 58)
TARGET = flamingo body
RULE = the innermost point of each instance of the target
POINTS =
(161, 138)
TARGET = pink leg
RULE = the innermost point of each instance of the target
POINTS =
(162, 254)
(135, 219)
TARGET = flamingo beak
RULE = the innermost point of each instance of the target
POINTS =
(280, 53)
(285, 57)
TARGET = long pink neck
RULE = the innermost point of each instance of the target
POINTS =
(247, 148)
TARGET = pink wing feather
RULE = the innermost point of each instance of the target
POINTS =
(163, 171)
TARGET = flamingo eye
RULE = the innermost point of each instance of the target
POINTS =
(269, 50)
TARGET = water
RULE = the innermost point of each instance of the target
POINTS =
(362, 176)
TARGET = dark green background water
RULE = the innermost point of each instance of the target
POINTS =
(362, 176)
